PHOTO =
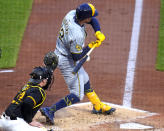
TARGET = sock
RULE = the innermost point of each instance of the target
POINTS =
(87, 88)
(66, 101)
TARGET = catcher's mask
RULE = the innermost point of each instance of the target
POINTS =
(38, 74)
(51, 60)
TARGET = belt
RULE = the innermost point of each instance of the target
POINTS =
(9, 117)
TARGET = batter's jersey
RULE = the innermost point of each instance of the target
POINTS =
(71, 37)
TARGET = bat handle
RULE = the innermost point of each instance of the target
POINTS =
(78, 66)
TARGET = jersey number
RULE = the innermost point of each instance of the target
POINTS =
(61, 34)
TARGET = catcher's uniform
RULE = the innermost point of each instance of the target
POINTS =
(23, 108)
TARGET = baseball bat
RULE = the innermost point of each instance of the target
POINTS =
(83, 60)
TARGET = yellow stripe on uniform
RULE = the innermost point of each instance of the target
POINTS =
(43, 97)
(92, 8)
(79, 84)
(33, 100)
(14, 102)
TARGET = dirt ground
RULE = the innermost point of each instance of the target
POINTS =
(107, 68)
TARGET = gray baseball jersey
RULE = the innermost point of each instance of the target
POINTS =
(71, 39)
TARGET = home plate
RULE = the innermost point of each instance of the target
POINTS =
(134, 126)
(79, 116)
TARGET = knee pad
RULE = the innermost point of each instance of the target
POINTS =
(87, 88)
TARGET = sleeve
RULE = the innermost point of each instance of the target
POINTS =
(77, 57)
(76, 46)
(30, 101)
(95, 24)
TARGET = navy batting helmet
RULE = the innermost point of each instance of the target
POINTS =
(86, 10)
(38, 74)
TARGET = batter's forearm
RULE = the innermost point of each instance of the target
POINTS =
(95, 24)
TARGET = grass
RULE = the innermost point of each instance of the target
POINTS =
(160, 55)
(14, 16)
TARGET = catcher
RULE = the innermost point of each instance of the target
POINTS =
(19, 114)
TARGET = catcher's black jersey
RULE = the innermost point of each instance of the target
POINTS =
(27, 102)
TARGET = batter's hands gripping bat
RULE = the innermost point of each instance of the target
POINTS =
(78, 66)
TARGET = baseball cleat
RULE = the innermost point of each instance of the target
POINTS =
(48, 114)
(104, 108)
(108, 112)
(94, 111)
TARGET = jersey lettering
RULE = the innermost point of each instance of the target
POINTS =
(63, 30)
(19, 97)
(61, 34)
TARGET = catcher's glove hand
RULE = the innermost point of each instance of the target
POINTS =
(51, 60)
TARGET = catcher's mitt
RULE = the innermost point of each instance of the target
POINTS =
(51, 60)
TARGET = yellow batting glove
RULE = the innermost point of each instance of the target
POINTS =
(91, 44)
(97, 42)
(100, 36)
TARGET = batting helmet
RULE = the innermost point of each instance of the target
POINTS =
(38, 74)
(85, 10)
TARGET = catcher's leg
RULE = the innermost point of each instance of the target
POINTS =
(66, 101)
(98, 106)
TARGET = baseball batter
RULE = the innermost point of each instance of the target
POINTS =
(70, 48)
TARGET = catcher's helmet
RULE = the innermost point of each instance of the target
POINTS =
(38, 74)
(86, 10)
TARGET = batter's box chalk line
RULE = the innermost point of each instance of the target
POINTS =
(6, 71)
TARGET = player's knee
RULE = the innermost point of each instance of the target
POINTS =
(87, 88)
(79, 96)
